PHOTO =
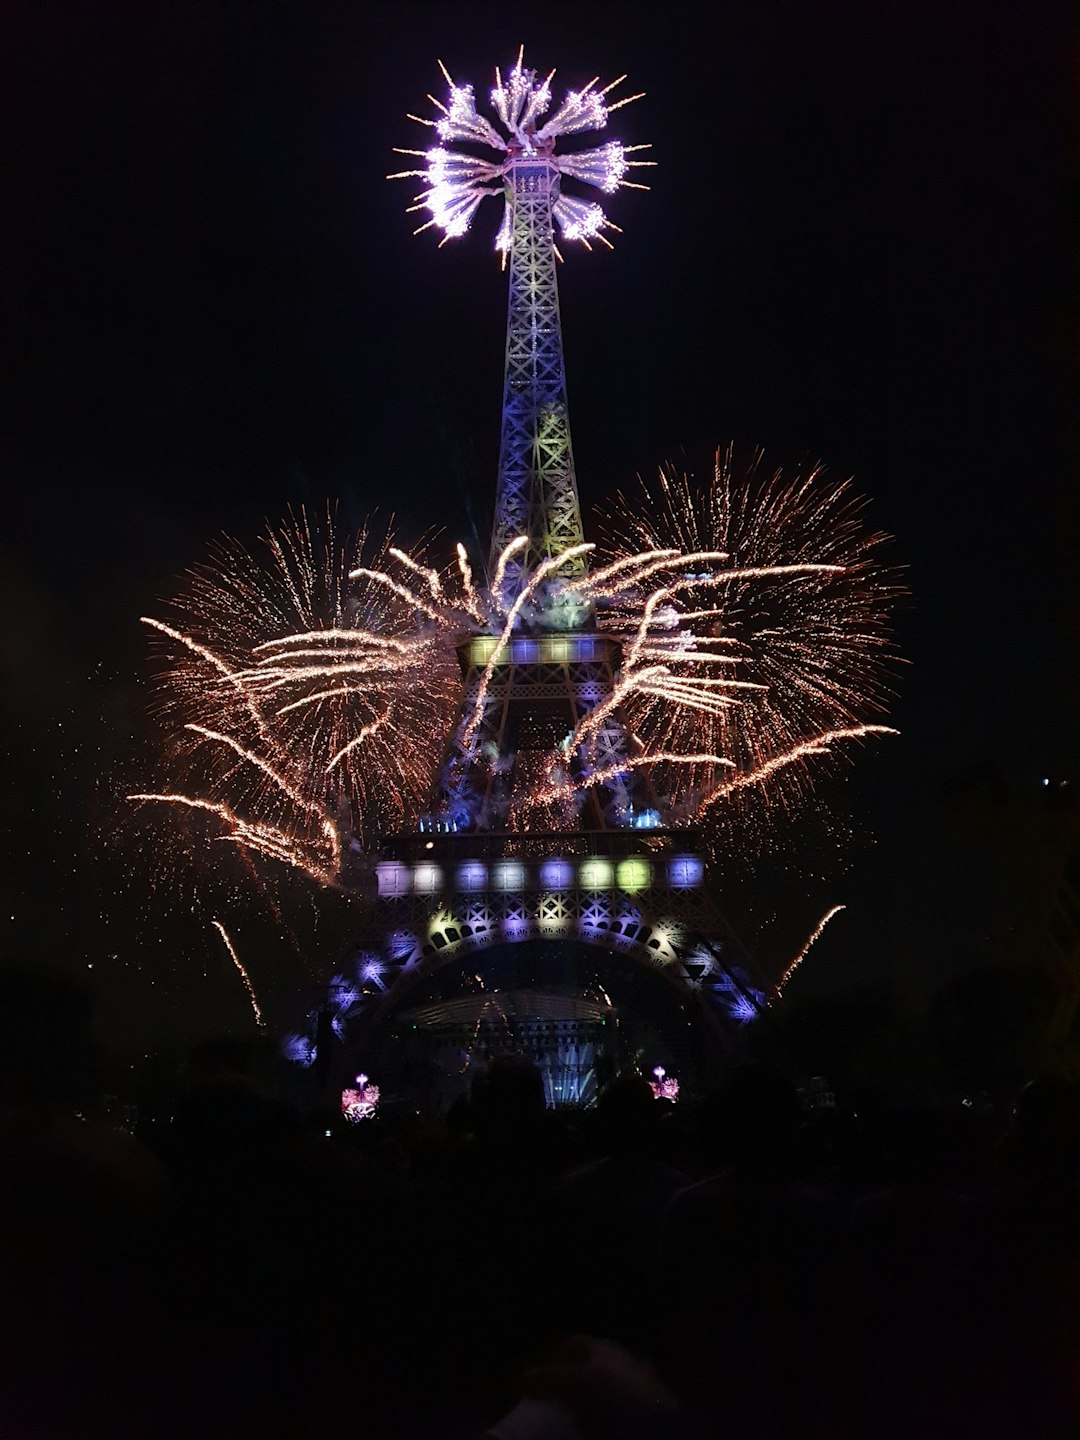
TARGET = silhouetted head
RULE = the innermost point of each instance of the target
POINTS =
(229, 1117)
(753, 1117)
(508, 1095)
(627, 1116)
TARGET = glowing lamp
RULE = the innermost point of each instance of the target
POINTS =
(427, 879)
(472, 875)
(509, 875)
(394, 877)
(685, 871)
(557, 874)
(595, 874)
(634, 874)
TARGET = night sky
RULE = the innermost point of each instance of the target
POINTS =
(855, 249)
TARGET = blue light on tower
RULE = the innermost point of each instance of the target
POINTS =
(647, 820)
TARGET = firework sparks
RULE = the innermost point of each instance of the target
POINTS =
(456, 182)
(292, 677)
(220, 928)
(801, 956)
(761, 637)
(360, 1103)
(316, 687)
(665, 1086)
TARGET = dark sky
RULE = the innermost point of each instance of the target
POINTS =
(855, 248)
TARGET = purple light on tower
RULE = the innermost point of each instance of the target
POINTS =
(557, 874)
(685, 871)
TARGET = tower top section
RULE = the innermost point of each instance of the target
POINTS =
(537, 512)
(457, 181)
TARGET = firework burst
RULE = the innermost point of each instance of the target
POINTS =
(306, 689)
(756, 642)
(456, 182)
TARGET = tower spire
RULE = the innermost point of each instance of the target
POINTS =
(537, 488)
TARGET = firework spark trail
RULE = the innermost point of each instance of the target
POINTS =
(514, 548)
(657, 598)
(298, 799)
(431, 576)
(248, 834)
(542, 571)
(470, 597)
(588, 726)
(220, 928)
(358, 739)
(313, 699)
(410, 596)
(205, 653)
(349, 637)
(648, 566)
(801, 956)
(324, 673)
(257, 761)
(605, 775)
(816, 746)
(600, 580)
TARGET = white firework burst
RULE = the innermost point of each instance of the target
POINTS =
(456, 182)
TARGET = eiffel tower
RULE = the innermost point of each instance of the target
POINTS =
(582, 935)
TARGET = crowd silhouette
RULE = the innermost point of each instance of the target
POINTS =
(743, 1267)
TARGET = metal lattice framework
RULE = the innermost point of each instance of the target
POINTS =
(538, 693)
(650, 905)
(491, 865)
(537, 489)
(487, 771)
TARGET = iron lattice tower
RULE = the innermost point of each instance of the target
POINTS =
(481, 871)
(558, 666)
(537, 490)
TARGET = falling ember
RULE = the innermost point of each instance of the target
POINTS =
(801, 956)
(220, 928)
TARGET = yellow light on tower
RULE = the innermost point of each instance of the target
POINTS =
(634, 874)
(596, 874)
